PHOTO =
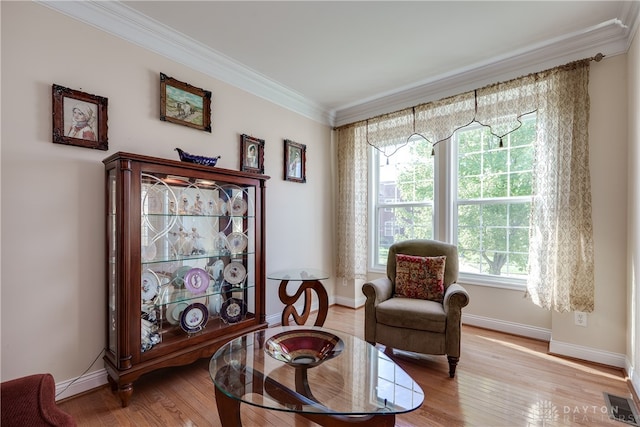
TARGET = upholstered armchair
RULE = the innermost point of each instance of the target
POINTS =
(31, 401)
(410, 323)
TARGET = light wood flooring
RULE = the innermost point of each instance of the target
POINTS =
(502, 380)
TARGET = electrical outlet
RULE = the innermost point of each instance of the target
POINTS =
(581, 318)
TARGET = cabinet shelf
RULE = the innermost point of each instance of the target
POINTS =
(182, 258)
(174, 337)
(159, 302)
(185, 266)
(198, 216)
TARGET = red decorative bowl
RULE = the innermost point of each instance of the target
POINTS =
(304, 347)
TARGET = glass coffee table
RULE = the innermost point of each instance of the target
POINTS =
(327, 376)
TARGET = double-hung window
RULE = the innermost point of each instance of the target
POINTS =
(474, 192)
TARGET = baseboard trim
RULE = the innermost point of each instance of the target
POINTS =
(507, 327)
(587, 353)
(81, 384)
(274, 319)
(633, 377)
(559, 348)
(350, 302)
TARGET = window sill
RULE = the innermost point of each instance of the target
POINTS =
(475, 280)
(492, 282)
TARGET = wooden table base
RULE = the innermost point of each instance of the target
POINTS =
(229, 408)
(305, 288)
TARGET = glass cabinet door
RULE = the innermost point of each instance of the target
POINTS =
(197, 257)
(112, 280)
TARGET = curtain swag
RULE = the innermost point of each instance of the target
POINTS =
(499, 107)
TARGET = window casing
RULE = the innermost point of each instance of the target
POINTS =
(472, 192)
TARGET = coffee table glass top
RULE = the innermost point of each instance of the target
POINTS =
(298, 274)
(359, 380)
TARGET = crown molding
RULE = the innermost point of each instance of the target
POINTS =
(124, 22)
(610, 38)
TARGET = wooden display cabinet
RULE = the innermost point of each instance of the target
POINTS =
(185, 263)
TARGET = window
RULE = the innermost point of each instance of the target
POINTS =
(493, 200)
(483, 202)
(404, 203)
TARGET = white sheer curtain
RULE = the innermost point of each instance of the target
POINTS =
(561, 246)
(500, 106)
(351, 252)
(438, 120)
(390, 132)
(561, 238)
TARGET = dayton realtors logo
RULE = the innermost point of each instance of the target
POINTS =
(546, 413)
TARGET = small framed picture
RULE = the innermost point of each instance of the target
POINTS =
(251, 154)
(295, 159)
(184, 104)
(79, 118)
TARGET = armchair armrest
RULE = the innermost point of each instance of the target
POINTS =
(31, 401)
(377, 290)
(455, 297)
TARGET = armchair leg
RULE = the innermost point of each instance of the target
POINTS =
(453, 363)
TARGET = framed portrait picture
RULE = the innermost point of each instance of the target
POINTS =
(79, 118)
(184, 104)
(295, 159)
(251, 154)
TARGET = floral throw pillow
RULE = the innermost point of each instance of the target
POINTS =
(420, 277)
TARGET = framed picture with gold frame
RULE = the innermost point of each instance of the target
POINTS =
(251, 154)
(79, 118)
(184, 104)
(295, 159)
